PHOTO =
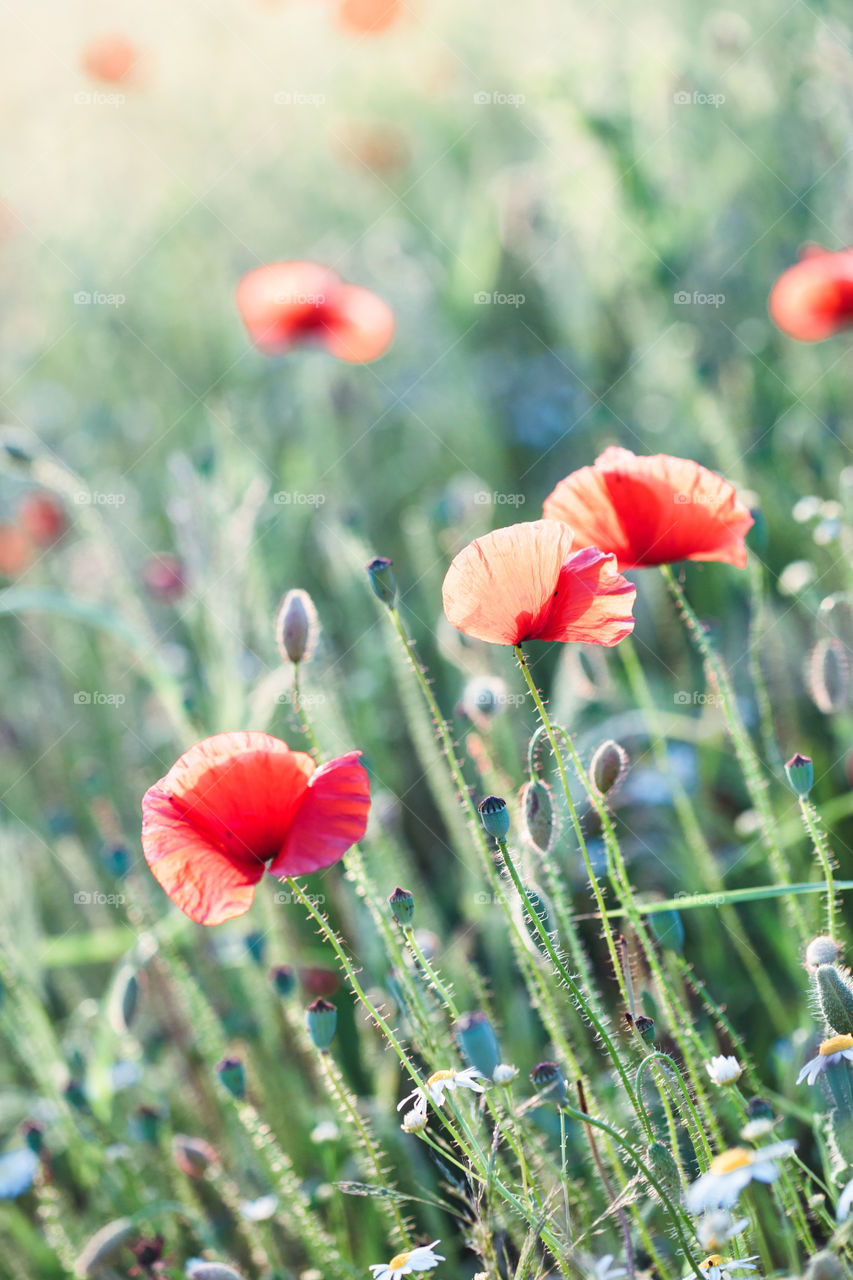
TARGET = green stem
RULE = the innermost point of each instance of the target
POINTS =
(811, 819)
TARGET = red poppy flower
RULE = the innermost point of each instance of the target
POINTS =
(238, 804)
(814, 299)
(42, 517)
(526, 583)
(652, 510)
(16, 551)
(368, 16)
(111, 59)
(291, 304)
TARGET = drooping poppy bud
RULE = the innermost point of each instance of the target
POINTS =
(382, 580)
(478, 1042)
(232, 1073)
(608, 766)
(799, 771)
(836, 998)
(103, 1247)
(296, 626)
(494, 816)
(402, 904)
(193, 1156)
(321, 1018)
(665, 1168)
(537, 808)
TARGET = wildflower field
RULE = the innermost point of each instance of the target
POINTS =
(426, 600)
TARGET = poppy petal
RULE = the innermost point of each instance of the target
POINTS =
(813, 299)
(652, 510)
(361, 327)
(331, 818)
(208, 885)
(593, 603)
(499, 587)
(285, 303)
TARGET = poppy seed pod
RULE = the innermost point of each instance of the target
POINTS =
(537, 809)
(296, 626)
(800, 774)
(550, 1080)
(321, 1019)
(836, 998)
(283, 979)
(495, 816)
(478, 1042)
(645, 1028)
(382, 580)
(402, 904)
(608, 766)
(232, 1073)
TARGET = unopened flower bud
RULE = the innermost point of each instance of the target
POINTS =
(824, 1266)
(504, 1073)
(148, 1122)
(321, 1018)
(537, 809)
(414, 1121)
(478, 1042)
(296, 626)
(836, 999)
(198, 1269)
(382, 580)
(821, 950)
(33, 1134)
(494, 816)
(75, 1095)
(608, 766)
(193, 1156)
(549, 1080)
(665, 1168)
(402, 904)
(103, 1247)
(232, 1073)
(283, 979)
(800, 774)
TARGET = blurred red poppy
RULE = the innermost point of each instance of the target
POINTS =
(16, 551)
(652, 510)
(368, 16)
(238, 804)
(525, 583)
(111, 59)
(814, 299)
(42, 517)
(291, 304)
(165, 577)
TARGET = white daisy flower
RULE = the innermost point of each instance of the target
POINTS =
(440, 1082)
(724, 1070)
(829, 1052)
(716, 1267)
(714, 1230)
(845, 1201)
(504, 1074)
(603, 1268)
(403, 1264)
(733, 1170)
(758, 1128)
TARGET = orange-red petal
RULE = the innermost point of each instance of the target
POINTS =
(362, 326)
(523, 583)
(331, 818)
(813, 299)
(652, 510)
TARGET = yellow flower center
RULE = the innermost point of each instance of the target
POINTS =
(712, 1260)
(834, 1045)
(728, 1161)
(448, 1075)
(399, 1260)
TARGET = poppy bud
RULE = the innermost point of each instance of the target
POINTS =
(645, 1028)
(537, 808)
(667, 929)
(232, 1073)
(608, 766)
(494, 816)
(482, 698)
(478, 1042)
(296, 626)
(821, 950)
(283, 979)
(16, 447)
(255, 943)
(198, 1269)
(828, 675)
(504, 1073)
(402, 904)
(382, 580)
(800, 774)
(759, 1109)
(824, 1266)
(549, 1079)
(75, 1095)
(665, 1168)
(193, 1156)
(321, 1018)
(103, 1247)
(123, 1001)
(33, 1134)
(836, 999)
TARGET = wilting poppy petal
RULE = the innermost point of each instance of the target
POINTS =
(331, 818)
(652, 510)
(814, 299)
(524, 583)
(289, 304)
